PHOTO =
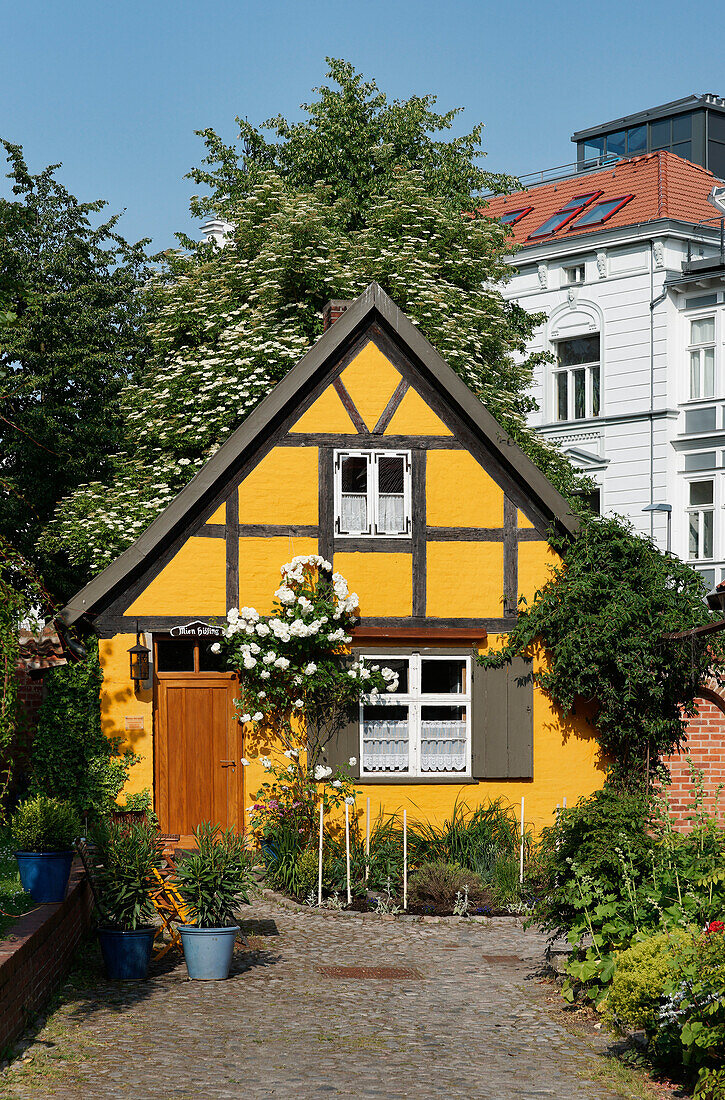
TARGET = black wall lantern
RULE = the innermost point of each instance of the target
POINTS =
(139, 659)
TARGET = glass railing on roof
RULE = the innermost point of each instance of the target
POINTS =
(564, 171)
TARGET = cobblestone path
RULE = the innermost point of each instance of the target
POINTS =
(470, 1019)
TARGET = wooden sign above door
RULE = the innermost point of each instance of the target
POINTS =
(197, 629)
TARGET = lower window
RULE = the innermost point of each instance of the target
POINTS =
(424, 728)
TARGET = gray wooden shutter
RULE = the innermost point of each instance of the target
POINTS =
(503, 721)
(344, 745)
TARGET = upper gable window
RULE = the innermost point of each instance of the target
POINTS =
(372, 493)
(565, 214)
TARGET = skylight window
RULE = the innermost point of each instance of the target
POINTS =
(600, 213)
(566, 214)
(514, 216)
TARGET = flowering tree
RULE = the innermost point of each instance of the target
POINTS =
(362, 189)
(299, 686)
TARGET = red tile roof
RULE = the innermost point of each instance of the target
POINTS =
(663, 185)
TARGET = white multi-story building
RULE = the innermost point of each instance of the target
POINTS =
(627, 264)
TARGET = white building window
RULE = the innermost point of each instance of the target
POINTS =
(425, 727)
(702, 358)
(574, 274)
(701, 520)
(372, 493)
(577, 379)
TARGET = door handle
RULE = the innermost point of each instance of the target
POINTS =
(228, 763)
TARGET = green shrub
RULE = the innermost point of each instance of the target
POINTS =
(710, 1085)
(127, 856)
(215, 879)
(643, 973)
(139, 801)
(475, 839)
(437, 883)
(44, 824)
(72, 757)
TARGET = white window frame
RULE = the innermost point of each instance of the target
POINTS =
(700, 510)
(415, 700)
(698, 348)
(588, 368)
(571, 274)
(373, 499)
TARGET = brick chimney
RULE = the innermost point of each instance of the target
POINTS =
(332, 312)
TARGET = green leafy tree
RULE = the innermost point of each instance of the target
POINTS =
(363, 189)
(69, 339)
(603, 618)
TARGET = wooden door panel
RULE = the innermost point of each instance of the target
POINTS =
(196, 732)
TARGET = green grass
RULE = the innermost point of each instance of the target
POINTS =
(13, 899)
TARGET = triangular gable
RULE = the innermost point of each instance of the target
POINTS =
(415, 380)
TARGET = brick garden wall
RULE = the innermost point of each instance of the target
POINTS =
(37, 954)
(706, 748)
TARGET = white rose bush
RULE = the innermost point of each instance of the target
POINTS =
(298, 688)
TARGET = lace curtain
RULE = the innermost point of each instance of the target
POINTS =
(385, 745)
(390, 514)
(354, 512)
(443, 746)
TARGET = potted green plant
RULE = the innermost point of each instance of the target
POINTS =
(43, 830)
(126, 856)
(137, 809)
(213, 881)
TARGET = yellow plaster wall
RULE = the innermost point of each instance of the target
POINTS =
(465, 580)
(260, 560)
(193, 583)
(459, 492)
(282, 488)
(414, 417)
(384, 582)
(523, 521)
(220, 516)
(370, 380)
(326, 414)
(535, 562)
(119, 700)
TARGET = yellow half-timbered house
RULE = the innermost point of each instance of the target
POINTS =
(373, 453)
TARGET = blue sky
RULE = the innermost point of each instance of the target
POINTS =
(115, 90)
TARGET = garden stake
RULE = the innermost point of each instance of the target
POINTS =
(405, 859)
(367, 842)
(347, 851)
(521, 854)
(319, 862)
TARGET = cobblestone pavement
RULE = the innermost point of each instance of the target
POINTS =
(471, 1019)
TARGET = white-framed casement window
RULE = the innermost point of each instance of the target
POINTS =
(701, 520)
(574, 274)
(701, 354)
(372, 493)
(576, 378)
(424, 728)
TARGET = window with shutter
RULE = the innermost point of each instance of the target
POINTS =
(503, 721)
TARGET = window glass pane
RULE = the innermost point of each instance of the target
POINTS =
(583, 349)
(580, 390)
(601, 211)
(443, 677)
(578, 201)
(681, 128)
(702, 300)
(660, 133)
(716, 126)
(700, 420)
(694, 535)
(707, 527)
(175, 655)
(701, 492)
(562, 398)
(701, 460)
(708, 372)
(615, 143)
(211, 662)
(716, 158)
(397, 664)
(595, 391)
(683, 149)
(390, 474)
(694, 374)
(702, 331)
(552, 224)
(354, 474)
(443, 745)
(385, 739)
(636, 140)
(593, 148)
(354, 513)
(708, 576)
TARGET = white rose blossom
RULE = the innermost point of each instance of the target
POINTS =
(352, 761)
(257, 716)
(215, 647)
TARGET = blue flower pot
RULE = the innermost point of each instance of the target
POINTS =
(45, 875)
(208, 951)
(126, 955)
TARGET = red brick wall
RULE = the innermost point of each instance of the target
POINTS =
(706, 748)
(36, 955)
